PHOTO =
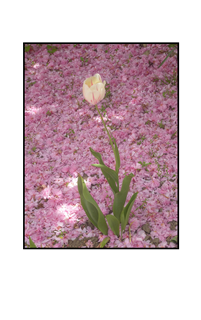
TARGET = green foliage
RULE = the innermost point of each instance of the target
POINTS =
(117, 157)
(143, 205)
(113, 223)
(83, 60)
(103, 243)
(161, 125)
(32, 244)
(110, 175)
(48, 113)
(70, 132)
(142, 139)
(144, 164)
(169, 93)
(120, 214)
(91, 208)
(103, 110)
(173, 135)
(172, 45)
(32, 83)
(126, 211)
(120, 197)
(169, 53)
(107, 90)
(148, 122)
(174, 239)
(27, 48)
(51, 49)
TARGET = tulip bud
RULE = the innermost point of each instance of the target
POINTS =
(94, 89)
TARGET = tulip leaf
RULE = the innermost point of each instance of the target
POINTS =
(91, 208)
(110, 180)
(120, 197)
(32, 244)
(126, 211)
(103, 243)
(102, 225)
(97, 155)
(122, 220)
(111, 177)
(93, 212)
(113, 223)
(93, 219)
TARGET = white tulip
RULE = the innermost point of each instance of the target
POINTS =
(94, 89)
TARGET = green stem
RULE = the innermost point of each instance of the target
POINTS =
(105, 128)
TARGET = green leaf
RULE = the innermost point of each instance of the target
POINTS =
(103, 243)
(111, 177)
(172, 45)
(117, 157)
(166, 58)
(120, 197)
(113, 223)
(126, 211)
(32, 244)
(93, 212)
(27, 48)
(93, 219)
(91, 208)
(81, 59)
(97, 155)
(144, 164)
(51, 49)
(174, 239)
(102, 225)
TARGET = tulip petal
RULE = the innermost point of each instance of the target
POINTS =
(93, 80)
(94, 89)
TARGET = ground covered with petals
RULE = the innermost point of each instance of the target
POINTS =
(140, 109)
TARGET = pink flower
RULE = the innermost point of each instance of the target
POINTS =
(126, 241)
(155, 183)
(65, 169)
(46, 193)
(141, 234)
(134, 224)
(89, 244)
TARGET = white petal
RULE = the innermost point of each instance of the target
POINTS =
(94, 89)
